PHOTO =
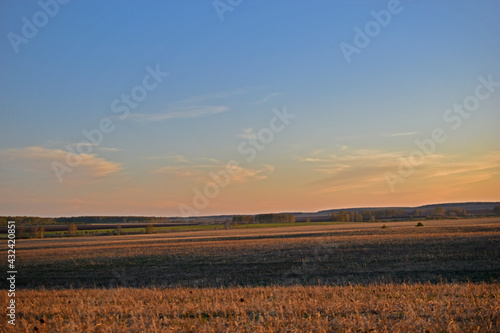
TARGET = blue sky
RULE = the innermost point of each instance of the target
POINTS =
(354, 121)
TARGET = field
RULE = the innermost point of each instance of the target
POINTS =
(444, 276)
(139, 228)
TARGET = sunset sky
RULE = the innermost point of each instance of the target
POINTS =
(308, 112)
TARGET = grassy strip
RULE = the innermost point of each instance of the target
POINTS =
(125, 231)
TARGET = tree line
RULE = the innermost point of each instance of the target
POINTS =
(399, 213)
(263, 218)
(32, 220)
(341, 216)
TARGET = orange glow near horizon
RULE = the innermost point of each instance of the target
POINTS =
(354, 179)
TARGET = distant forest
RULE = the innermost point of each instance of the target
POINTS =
(348, 215)
(398, 213)
(30, 220)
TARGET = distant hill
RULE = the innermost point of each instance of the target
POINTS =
(470, 207)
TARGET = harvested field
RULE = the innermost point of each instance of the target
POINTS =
(331, 254)
(384, 308)
(319, 278)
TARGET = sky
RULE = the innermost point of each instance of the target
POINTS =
(191, 108)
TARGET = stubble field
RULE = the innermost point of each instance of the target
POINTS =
(353, 277)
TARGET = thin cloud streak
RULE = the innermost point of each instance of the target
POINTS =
(188, 113)
(402, 134)
(199, 173)
(210, 97)
(364, 170)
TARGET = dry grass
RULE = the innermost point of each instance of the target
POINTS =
(383, 308)
(441, 277)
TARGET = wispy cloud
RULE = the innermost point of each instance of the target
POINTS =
(375, 135)
(454, 167)
(40, 159)
(189, 108)
(349, 169)
(365, 169)
(332, 168)
(199, 173)
(81, 144)
(312, 159)
(173, 157)
(245, 175)
(177, 158)
(401, 134)
(223, 95)
(108, 149)
(317, 152)
(179, 171)
(186, 113)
